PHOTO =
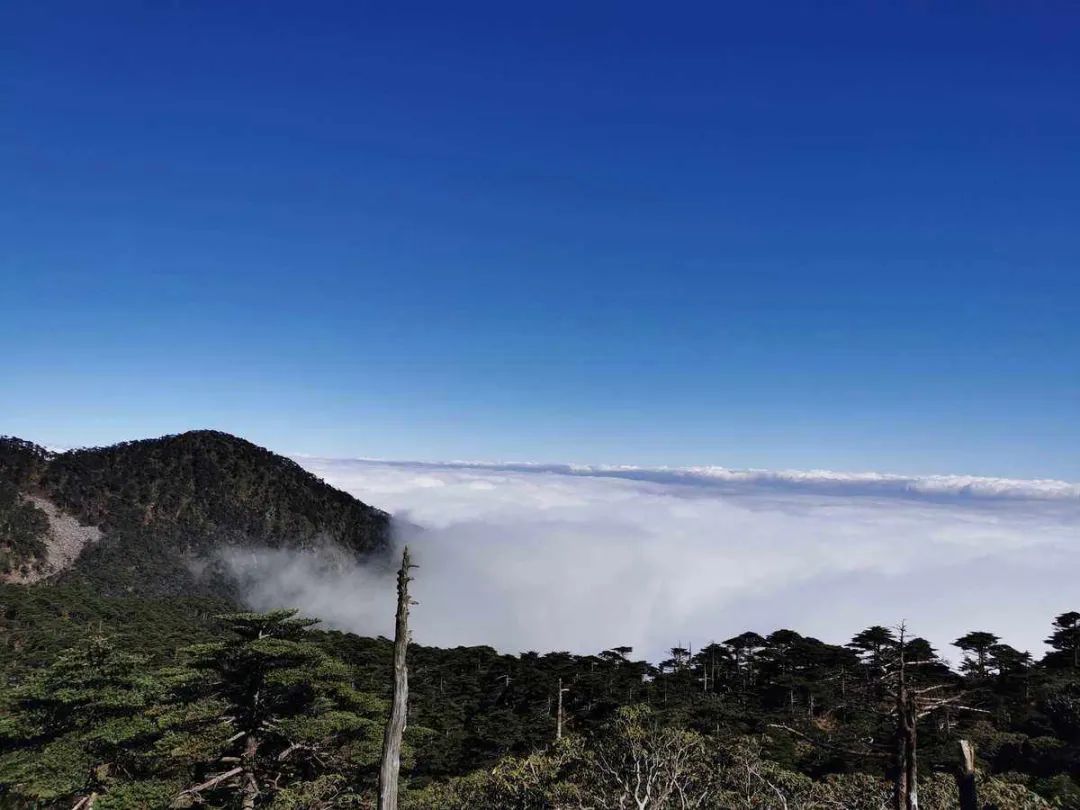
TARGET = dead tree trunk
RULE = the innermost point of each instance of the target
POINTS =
(395, 725)
(559, 712)
(900, 784)
(911, 760)
(965, 779)
(905, 706)
(249, 784)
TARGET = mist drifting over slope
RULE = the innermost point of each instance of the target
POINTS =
(546, 557)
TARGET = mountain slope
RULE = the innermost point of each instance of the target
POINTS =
(24, 526)
(166, 506)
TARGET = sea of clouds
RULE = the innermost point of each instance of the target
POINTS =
(559, 557)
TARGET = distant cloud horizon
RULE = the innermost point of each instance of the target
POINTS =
(818, 480)
(526, 556)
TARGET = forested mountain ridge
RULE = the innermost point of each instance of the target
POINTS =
(126, 681)
(161, 504)
(779, 721)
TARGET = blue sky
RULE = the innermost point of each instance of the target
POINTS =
(781, 235)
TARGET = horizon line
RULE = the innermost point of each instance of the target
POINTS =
(818, 480)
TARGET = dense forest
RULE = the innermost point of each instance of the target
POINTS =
(127, 682)
(162, 504)
(147, 703)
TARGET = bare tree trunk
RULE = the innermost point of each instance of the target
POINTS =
(395, 725)
(249, 784)
(965, 779)
(906, 788)
(912, 761)
(900, 786)
(559, 713)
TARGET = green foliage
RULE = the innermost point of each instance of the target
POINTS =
(22, 525)
(209, 484)
(21, 462)
(538, 780)
(38, 622)
(138, 795)
(1065, 640)
(22, 531)
(80, 724)
(295, 721)
(978, 645)
(327, 791)
(164, 503)
(1061, 704)
(101, 721)
(180, 690)
(636, 762)
(473, 710)
(190, 704)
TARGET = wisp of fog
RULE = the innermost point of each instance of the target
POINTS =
(532, 557)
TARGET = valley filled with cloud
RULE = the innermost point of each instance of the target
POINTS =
(542, 557)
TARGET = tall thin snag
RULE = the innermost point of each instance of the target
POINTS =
(395, 725)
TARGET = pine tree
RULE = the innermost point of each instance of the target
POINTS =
(977, 644)
(77, 728)
(298, 726)
(1066, 639)
(872, 644)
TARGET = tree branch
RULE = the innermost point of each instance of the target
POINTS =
(209, 783)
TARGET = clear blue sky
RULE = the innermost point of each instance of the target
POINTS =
(751, 234)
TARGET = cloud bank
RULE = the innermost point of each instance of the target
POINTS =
(822, 481)
(553, 557)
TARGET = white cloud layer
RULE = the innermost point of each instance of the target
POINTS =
(545, 557)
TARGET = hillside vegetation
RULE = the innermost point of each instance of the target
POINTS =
(126, 682)
(163, 503)
(780, 721)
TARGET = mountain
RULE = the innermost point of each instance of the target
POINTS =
(149, 517)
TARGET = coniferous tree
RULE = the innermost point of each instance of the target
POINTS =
(300, 731)
(745, 647)
(1065, 640)
(977, 644)
(84, 726)
(872, 643)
